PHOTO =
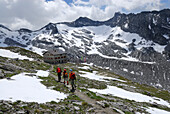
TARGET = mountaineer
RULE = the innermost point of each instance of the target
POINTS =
(72, 78)
(65, 76)
(58, 70)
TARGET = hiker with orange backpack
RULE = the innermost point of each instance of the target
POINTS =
(72, 78)
(58, 70)
(65, 76)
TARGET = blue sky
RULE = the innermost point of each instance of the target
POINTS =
(33, 14)
(166, 3)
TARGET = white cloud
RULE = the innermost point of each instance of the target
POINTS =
(128, 4)
(34, 14)
(80, 2)
(21, 23)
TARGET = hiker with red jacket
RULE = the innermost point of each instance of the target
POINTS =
(72, 78)
(58, 70)
(65, 76)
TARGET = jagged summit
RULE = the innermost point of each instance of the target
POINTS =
(84, 21)
(2, 26)
(52, 27)
(25, 30)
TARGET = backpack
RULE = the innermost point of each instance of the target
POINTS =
(65, 75)
(73, 76)
(58, 70)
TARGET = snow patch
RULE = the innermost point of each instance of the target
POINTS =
(84, 67)
(37, 50)
(126, 25)
(9, 54)
(154, 21)
(28, 89)
(158, 85)
(94, 76)
(149, 27)
(42, 73)
(61, 48)
(132, 72)
(156, 111)
(124, 69)
(115, 91)
(166, 36)
(91, 64)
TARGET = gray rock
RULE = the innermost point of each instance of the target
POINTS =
(76, 108)
(11, 67)
(119, 103)
(31, 74)
(90, 110)
(104, 104)
(130, 109)
(20, 112)
(1, 73)
(12, 42)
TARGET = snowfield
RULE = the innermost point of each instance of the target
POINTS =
(9, 54)
(42, 73)
(94, 76)
(101, 34)
(28, 89)
(36, 50)
(119, 92)
(84, 67)
(156, 111)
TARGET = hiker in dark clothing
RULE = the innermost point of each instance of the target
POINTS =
(65, 76)
(72, 78)
(58, 70)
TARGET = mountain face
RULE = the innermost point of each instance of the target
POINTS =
(153, 25)
(135, 46)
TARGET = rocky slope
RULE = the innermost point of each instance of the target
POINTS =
(126, 97)
(84, 100)
(133, 45)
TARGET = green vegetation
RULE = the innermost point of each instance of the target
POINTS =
(94, 96)
(128, 112)
(88, 83)
(51, 82)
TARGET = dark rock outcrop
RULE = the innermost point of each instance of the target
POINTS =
(12, 42)
(51, 27)
(83, 21)
(154, 74)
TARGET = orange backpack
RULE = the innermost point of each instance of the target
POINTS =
(73, 76)
(65, 74)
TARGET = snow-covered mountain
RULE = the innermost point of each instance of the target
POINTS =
(134, 45)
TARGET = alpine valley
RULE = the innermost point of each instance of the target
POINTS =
(135, 46)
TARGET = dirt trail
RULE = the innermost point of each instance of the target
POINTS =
(98, 109)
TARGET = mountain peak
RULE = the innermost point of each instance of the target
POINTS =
(83, 19)
(24, 30)
(2, 26)
(51, 26)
